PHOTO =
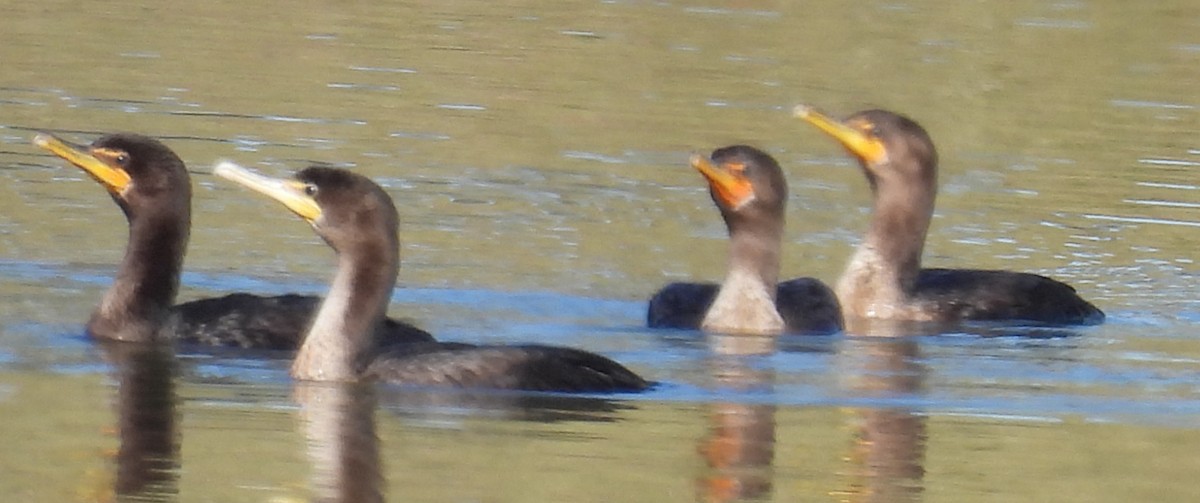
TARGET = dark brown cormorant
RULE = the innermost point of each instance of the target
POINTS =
(151, 185)
(749, 188)
(884, 278)
(359, 221)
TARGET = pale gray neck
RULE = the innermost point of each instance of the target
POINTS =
(882, 273)
(745, 304)
(342, 334)
(137, 305)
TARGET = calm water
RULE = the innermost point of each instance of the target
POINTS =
(537, 152)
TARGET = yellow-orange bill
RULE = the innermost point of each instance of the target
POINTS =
(114, 178)
(867, 148)
(289, 192)
(734, 189)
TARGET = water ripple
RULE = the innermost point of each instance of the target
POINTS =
(1161, 185)
(1150, 104)
(1159, 202)
(592, 156)
(461, 106)
(1168, 162)
(380, 69)
(268, 117)
(732, 12)
(1054, 23)
(1142, 220)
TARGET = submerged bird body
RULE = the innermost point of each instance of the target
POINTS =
(884, 278)
(523, 367)
(359, 221)
(749, 188)
(806, 306)
(989, 295)
(244, 320)
(151, 186)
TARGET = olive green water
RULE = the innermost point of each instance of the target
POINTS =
(537, 152)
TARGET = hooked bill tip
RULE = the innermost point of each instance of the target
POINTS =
(802, 111)
(41, 139)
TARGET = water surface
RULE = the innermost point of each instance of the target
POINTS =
(537, 153)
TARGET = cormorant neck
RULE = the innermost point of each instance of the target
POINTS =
(883, 271)
(137, 305)
(341, 338)
(745, 303)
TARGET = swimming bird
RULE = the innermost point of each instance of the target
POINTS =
(749, 189)
(359, 221)
(884, 278)
(151, 186)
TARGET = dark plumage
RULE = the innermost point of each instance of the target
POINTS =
(359, 221)
(750, 190)
(806, 304)
(246, 320)
(884, 278)
(151, 186)
(973, 294)
(524, 367)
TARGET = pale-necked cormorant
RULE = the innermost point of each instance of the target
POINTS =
(151, 185)
(749, 188)
(359, 221)
(884, 278)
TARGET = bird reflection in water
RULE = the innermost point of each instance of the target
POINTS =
(147, 461)
(887, 455)
(338, 421)
(739, 447)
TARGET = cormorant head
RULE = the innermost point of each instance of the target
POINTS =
(893, 150)
(745, 183)
(142, 175)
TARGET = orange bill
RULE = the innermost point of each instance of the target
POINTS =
(867, 148)
(727, 181)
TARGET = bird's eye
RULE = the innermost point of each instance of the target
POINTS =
(310, 190)
(122, 159)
